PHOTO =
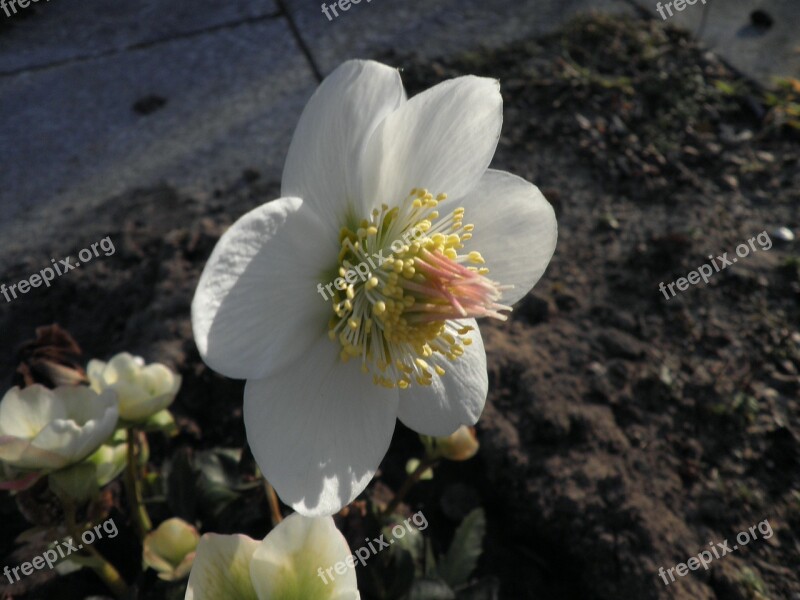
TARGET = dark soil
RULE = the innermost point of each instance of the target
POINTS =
(624, 431)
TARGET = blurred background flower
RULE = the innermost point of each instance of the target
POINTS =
(143, 390)
(170, 549)
(46, 429)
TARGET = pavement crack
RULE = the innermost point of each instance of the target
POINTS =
(143, 45)
(300, 41)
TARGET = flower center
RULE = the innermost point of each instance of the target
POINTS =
(403, 282)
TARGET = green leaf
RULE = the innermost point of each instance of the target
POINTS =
(215, 498)
(412, 542)
(388, 576)
(430, 589)
(725, 87)
(219, 478)
(161, 421)
(76, 483)
(467, 547)
(220, 466)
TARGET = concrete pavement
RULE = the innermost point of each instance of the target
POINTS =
(100, 96)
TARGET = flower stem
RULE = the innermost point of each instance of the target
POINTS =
(133, 488)
(104, 569)
(274, 505)
(425, 464)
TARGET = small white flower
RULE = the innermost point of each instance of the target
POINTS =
(46, 429)
(403, 186)
(284, 566)
(171, 548)
(143, 390)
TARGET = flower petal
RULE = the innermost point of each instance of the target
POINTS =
(144, 408)
(221, 568)
(288, 563)
(23, 483)
(457, 398)
(94, 372)
(21, 454)
(319, 429)
(256, 308)
(442, 139)
(515, 230)
(331, 136)
(25, 412)
(91, 421)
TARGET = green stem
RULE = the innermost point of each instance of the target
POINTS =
(104, 569)
(274, 505)
(133, 489)
(425, 464)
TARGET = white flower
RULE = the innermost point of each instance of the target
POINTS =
(355, 190)
(286, 565)
(142, 390)
(50, 429)
(171, 548)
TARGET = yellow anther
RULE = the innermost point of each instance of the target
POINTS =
(397, 319)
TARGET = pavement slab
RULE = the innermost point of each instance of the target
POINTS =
(208, 108)
(100, 96)
(431, 28)
(51, 33)
(727, 27)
